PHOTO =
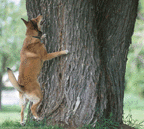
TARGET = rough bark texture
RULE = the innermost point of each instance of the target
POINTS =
(87, 84)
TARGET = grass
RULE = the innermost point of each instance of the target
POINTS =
(32, 125)
(133, 116)
(10, 108)
(104, 124)
(132, 101)
(10, 117)
(133, 122)
(10, 113)
(134, 111)
(134, 105)
(7, 88)
(136, 114)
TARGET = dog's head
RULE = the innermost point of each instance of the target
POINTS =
(34, 25)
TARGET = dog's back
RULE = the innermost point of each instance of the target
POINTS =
(31, 61)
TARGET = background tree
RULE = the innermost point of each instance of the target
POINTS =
(11, 36)
(88, 84)
(135, 64)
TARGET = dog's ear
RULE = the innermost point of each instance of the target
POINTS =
(26, 22)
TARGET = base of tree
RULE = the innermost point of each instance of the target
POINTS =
(121, 126)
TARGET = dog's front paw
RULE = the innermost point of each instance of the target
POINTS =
(38, 118)
(66, 51)
(43, 36)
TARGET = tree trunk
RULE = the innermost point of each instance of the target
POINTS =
(88, 84)
(0, 91)
(3, 66)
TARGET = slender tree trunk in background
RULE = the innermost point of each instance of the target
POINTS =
(0, 92)
(3, 66)
(88, 84)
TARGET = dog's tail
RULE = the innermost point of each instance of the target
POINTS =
(14, 81)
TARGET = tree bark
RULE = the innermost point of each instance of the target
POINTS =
(88, 84)
(3, 66)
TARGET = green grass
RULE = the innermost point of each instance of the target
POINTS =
(7, 88)
(133, 116)
(10, 108)
(132, 101)
(10, 113)
(32, 125)
(134, 110)
(10, 119)
(136, 114)
(103, 124)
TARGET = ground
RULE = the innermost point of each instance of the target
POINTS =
(124, 126)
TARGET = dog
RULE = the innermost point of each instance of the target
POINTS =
(32, 56)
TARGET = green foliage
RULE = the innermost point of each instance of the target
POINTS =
(135, 64)
(12, 32)
(141, 5)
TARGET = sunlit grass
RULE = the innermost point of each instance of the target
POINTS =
(133, 114)
(133, 101)
(10, 113)
(134, 118)
(134, 110)
(9, 116)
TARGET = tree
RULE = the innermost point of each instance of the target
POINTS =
(88, 84)
(11, 36)
(135, 64)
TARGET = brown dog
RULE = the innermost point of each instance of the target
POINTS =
(33, 54)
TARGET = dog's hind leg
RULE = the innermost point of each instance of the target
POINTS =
(22, 112)
(23, 103)
(35, 97)
(34, 110)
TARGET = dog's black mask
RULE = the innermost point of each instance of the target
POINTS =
(36, 28)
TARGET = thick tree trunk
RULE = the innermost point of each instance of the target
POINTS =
(87, 84)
